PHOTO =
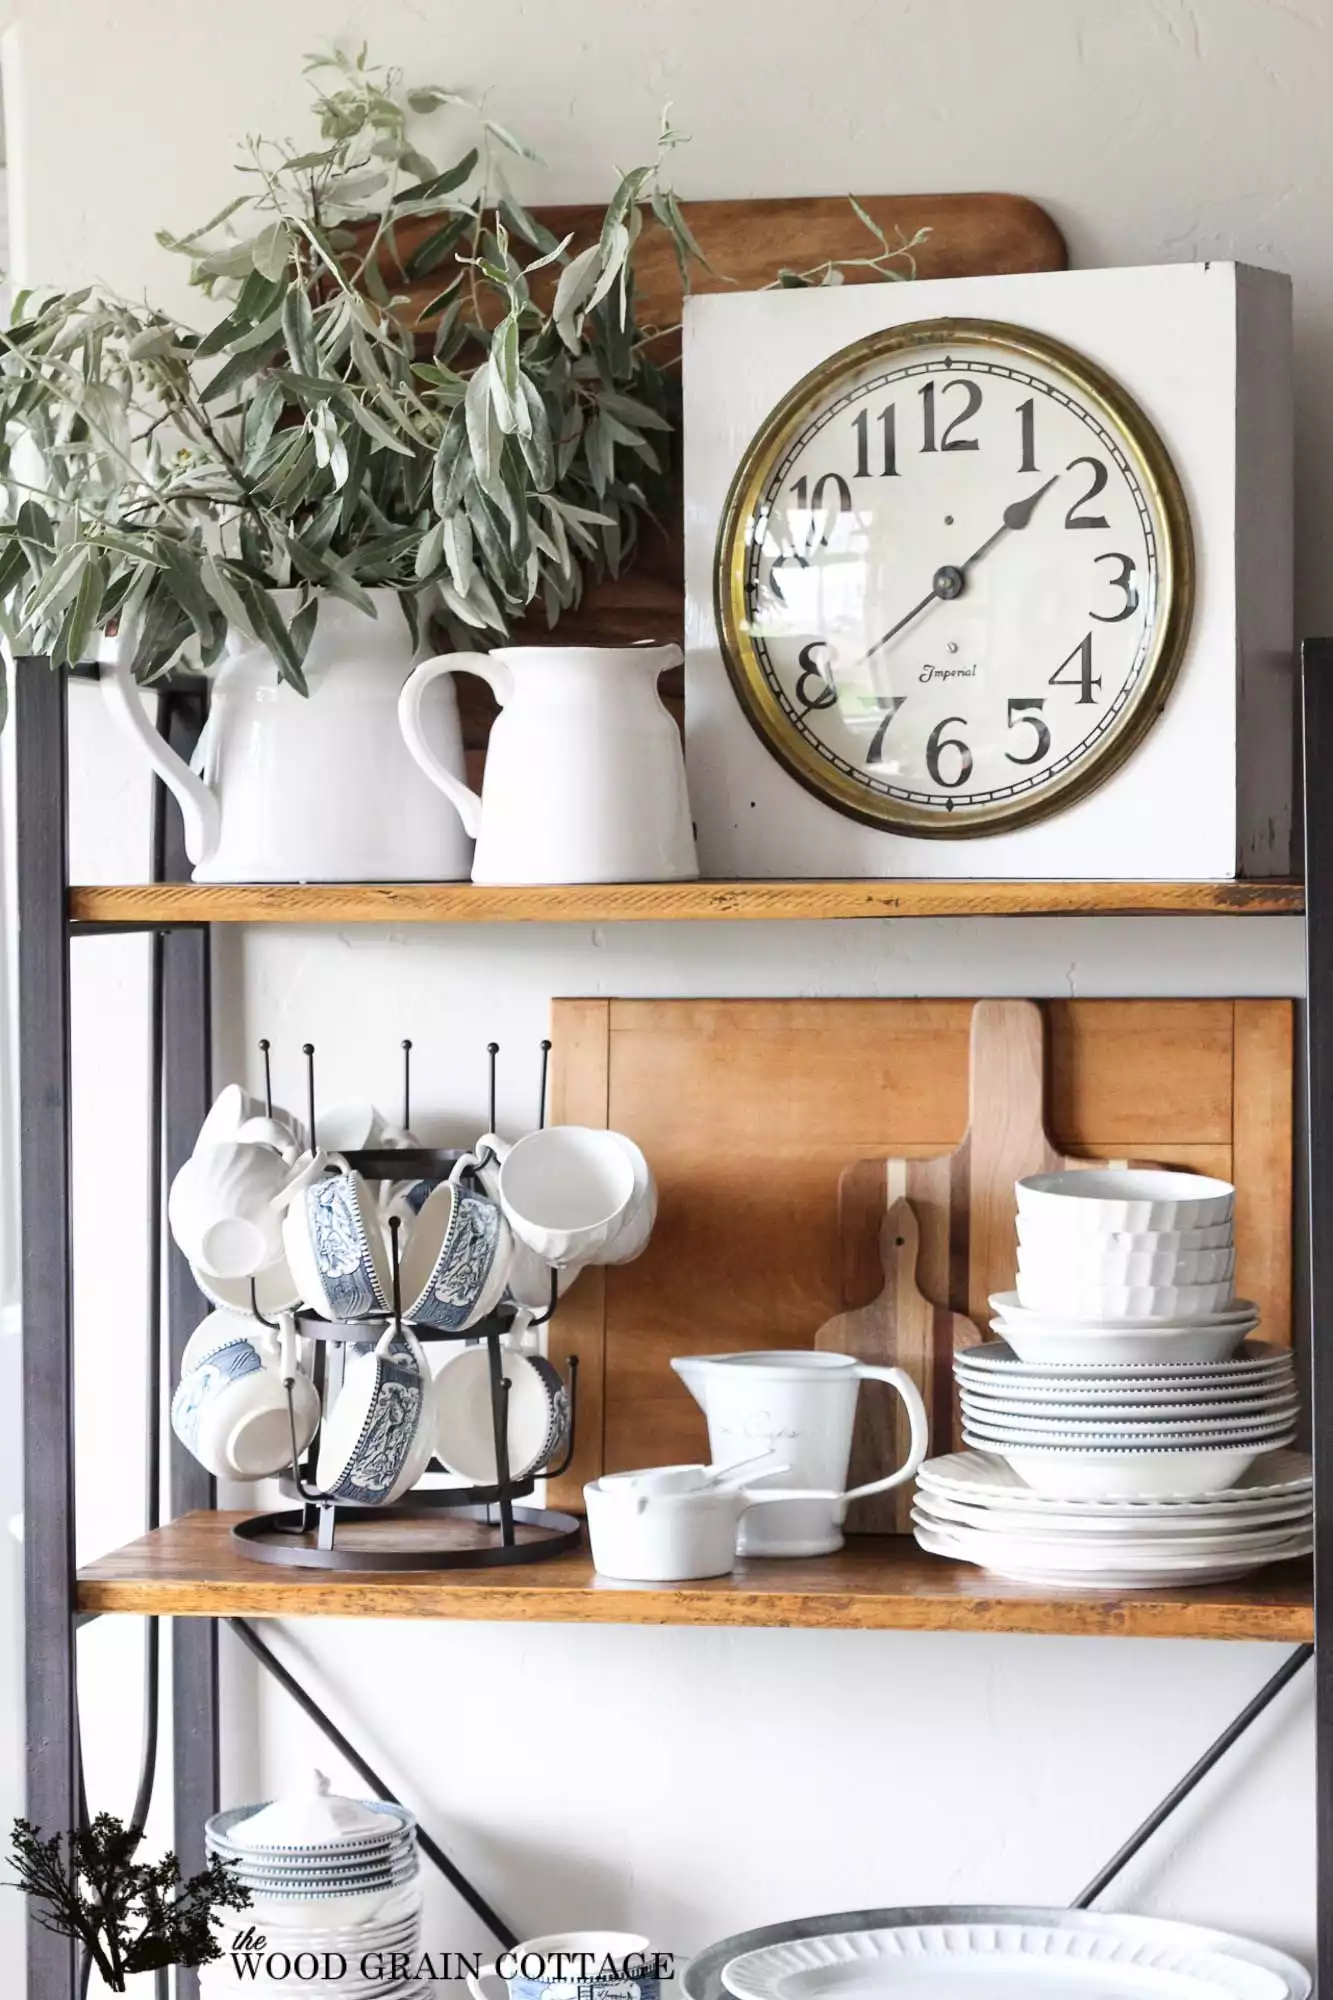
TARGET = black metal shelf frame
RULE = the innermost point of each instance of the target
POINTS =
(181, 1062)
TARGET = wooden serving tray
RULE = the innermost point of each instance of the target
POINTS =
(750, 1110)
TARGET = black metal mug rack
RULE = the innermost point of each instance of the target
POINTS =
(307, 1536)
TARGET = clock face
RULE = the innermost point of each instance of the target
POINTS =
(954, 578)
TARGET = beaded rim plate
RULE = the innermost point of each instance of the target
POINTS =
(976, 1475)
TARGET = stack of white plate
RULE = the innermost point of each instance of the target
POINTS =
(1129, 1264)
(1091, 1429)
(331, 1879)
(977, 1509)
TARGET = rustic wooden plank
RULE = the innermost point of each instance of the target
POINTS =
(1262, 1156)
(192, 1569)
(663, 902)
(748, 242)
(580, 1085)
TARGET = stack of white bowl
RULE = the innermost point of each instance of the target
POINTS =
(1124, 1374)
(335, 1896)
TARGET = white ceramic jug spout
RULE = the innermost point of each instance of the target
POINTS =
(201, 815)
(693, 1372)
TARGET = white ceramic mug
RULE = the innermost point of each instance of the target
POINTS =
(537, 1423)
(528, 1279)
(577, 1965)
(802, 1405)
(566, 1191)
(226, 1206)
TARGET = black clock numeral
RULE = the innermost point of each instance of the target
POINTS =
(1027, 433)
(971, 404)
(937, 743)
(779, 562)
(817, 504)
(889, 705)
(1074, 519)
(888, 422)
(1083, 678)
(817, 674)
(1123, 582)
(1020, 711)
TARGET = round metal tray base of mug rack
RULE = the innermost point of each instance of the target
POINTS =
(286, 1539)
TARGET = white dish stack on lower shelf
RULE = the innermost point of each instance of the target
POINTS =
(335, 1890)
(1132, 1436)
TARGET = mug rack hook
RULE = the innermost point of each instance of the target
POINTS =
(492, 1051)
(265, 1047)
(407, 1084)
(541, 1106)
(308, 1051)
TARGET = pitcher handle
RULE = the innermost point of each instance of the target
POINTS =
(919, 1427)
(496, 676)
(898, 1379)
(201, 816)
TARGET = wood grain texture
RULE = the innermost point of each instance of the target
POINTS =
(192, 1569)
(899, 1328)
(751, 1110)
(664, 902)
(748, 242)
(580, 1085)
(1262, 1149)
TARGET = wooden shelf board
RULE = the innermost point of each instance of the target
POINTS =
(191, 1568)
(666, 902)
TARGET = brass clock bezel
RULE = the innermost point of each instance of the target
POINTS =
(1147, 453)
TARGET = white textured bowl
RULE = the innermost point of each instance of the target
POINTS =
(1083, 1268)
(1046, 1340)
(1120, 1198)
(1064, 1230)
(1104, 1303)
(1085, 1475)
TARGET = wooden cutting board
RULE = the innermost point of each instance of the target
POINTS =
(899, 1328)
(963, 1210)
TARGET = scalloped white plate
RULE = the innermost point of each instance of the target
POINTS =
(1001, 1961)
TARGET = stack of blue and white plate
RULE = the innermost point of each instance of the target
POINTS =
(335, 1897)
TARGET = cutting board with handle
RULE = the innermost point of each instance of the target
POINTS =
(962, 1209)
(899, 1328)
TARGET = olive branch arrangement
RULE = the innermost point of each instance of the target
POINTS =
(129, 1916)
(491, 450)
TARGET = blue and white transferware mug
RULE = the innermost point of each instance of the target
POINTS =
(336, 1249)
(379, 1437)
(456, 1260)
(231, 1412)
(578, 1965)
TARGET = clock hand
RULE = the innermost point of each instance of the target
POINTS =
(948, 581)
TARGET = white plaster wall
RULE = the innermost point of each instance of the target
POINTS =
(691, 1782)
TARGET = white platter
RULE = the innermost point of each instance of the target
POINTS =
(1001, 1388)
(1005, 1962)
(1132, 1576)
(1174, 1524)
(703, 1975)
(1125, 1435)
(978, 1476)
(1067, 1548)
(1175, 1407)
(1254, 1357)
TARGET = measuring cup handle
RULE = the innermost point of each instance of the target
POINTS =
(898, 1379)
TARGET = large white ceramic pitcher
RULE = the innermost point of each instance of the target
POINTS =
(585, 778)
(310, 788)
(801, 1404)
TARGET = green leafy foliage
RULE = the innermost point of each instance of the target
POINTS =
(310, 440)
(129, 1916)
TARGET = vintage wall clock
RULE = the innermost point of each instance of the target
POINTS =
(1001, 583)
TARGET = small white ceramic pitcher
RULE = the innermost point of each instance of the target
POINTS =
(801, 1404)
(309, 788)
(585, 778)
